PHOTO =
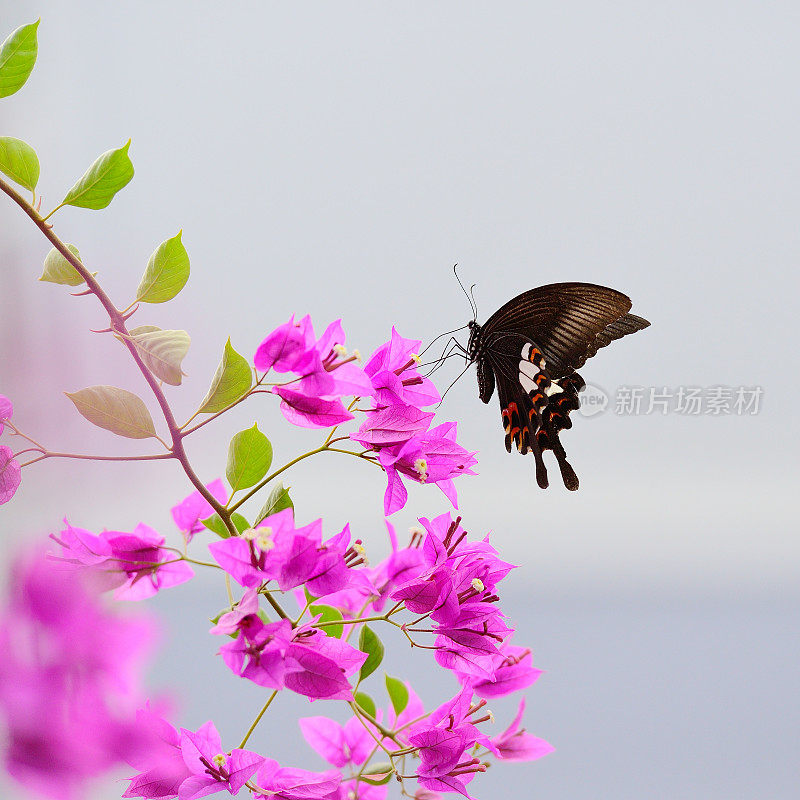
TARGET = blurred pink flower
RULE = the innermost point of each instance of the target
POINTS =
(69, 679)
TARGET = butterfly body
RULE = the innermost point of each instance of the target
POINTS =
(530, 350)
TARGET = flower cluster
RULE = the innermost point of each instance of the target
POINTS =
(298, 620)
(10, 470)
(69, 679)
(396, 430)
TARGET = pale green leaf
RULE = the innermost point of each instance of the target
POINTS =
(249, 457)
(215, 524)
(58, 270)
(328, 614)
(366, 702)
(19, 161)
(116, 410)
(167, 272)
(369, 643)
(398, 694)
(379, 768)
(277, 501)
(17, 58)
(162, 351)
(231, 381)
(99, 184)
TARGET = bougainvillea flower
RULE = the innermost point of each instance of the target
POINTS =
(318, 666)
(241, 617)
(160, 762)
(212, 769)
(444, 739)
(395, 379)
(338, 744)
(432, 457)
(512, 671)
(253, 557)
(289, 348)
(310, 412)
(259, 652)
(393, 425)
(274, 782)
(6, 410)
(515, 744)
(325, 369)
(10, 474)
(276, 550)
(188, 513)
(135, 563)
(70, 679)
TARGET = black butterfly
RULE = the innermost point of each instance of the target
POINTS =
(531, 347)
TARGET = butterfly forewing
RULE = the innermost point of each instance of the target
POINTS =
(563, 319)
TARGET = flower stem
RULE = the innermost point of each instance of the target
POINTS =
(257, 719)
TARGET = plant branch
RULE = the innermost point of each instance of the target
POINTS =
(118, 325)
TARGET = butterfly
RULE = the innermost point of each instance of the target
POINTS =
(530, 350)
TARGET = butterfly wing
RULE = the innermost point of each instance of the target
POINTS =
(533, 408)
(568, 321)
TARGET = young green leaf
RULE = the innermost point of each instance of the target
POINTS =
(231, 381)
(369, 643)
(162, 351)
(366, 702)
(116, 410)
(18, 160)
(329, 614)
(249, 457)
(58, 270)
(99, 184)
(277, 501)
(383, 768)
(17, 57)
(167, 272)
(398, 694)
(215, 524)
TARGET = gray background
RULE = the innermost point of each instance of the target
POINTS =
(337, 159)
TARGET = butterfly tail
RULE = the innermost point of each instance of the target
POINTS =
(555, 418)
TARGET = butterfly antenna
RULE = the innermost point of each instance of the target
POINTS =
(469, 299)
(474, 303)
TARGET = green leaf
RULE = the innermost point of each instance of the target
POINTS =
(99, 184)
(277, 501)
(231, 381)
(116, 410)
(249, 457)
(369, 643)
(398, 694)
(58, 270)
(380, 768)
(167, 272)
(366, 702)
(215, 524)
(17, 57)
(329, 614)
(162, 351)
(19, 161)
